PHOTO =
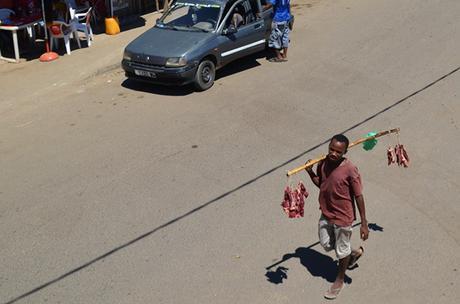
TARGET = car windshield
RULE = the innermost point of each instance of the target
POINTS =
(191, 16)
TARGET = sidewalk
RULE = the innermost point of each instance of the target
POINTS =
(23, 81)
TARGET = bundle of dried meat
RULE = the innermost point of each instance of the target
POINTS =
(398, 155)
(401, 156)
(391, 155)
(293, 203)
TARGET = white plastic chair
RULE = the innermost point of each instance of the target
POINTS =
(74, 9)
(63, 30)
(83, 24)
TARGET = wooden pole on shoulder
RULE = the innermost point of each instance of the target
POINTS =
(322, 157)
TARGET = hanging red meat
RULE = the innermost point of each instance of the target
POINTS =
(391, 155)
(293, 203)
(402, 158)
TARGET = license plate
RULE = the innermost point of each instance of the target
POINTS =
(145, 73)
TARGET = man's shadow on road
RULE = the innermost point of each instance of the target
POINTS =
(318, 264)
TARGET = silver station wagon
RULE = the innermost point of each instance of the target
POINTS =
(194, 38)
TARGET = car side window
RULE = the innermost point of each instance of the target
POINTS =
(241, 14)
(236, 16)
(227, 8)
(250, 13)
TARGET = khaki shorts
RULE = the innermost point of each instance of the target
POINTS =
(333, 237)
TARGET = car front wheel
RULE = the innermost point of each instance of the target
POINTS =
(205, 75)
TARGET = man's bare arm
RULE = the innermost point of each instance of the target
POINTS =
(364, 230)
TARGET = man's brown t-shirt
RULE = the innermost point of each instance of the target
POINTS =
(337, 192)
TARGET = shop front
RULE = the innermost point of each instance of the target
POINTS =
(129, 7)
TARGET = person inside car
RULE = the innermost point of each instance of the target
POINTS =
(237, 18)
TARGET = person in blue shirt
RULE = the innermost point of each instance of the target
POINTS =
(279, 37)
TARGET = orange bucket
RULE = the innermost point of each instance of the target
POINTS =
(112, 26)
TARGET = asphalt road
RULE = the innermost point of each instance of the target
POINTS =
(114, 192)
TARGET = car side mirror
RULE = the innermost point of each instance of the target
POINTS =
(230, 30)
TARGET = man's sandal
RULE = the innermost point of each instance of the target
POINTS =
(354, 258)
(276, 59)
(333, 293)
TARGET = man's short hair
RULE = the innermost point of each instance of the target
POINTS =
(341, 138)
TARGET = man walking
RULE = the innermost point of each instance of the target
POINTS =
(340, 185)
(279, 37)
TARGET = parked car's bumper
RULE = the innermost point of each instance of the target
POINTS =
(161, 75)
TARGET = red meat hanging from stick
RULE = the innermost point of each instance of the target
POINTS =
(398, 155)
(294, 200)
(391, 155)
(293, 204)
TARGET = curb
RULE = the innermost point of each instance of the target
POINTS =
(103, 70)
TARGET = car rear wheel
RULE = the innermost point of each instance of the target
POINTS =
(205, 75)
